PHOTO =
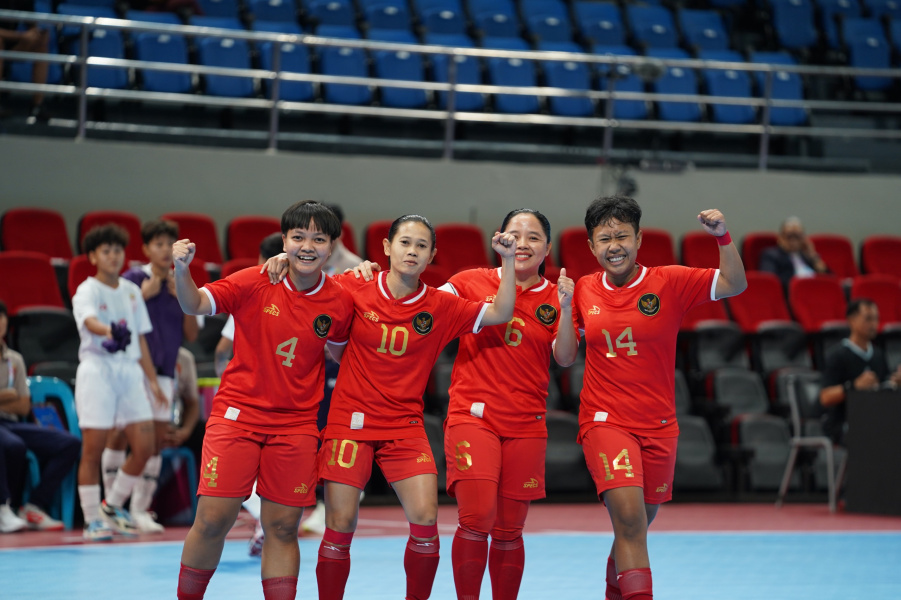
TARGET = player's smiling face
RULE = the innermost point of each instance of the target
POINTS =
(411, 250)
(307, 249)
(109, 259)
(615, 245)
(532, 246)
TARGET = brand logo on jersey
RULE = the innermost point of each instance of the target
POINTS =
(422, 323)
(490, 298)
(371, 316)
(547, 314)
(424, 458)
(649, 305)
(301, 489)
(662, 489)
(321, 325)
(594, 310)
(530, 484)
(271, 310)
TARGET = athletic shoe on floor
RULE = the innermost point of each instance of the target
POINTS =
(145, 523)
(38, 519)
(9, 522)
(118, 519)
(97, 531)
(315, 523)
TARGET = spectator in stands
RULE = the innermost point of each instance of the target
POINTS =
(794, 256)
(854, 365)
(33, 39)
(56, 450)
(341, 258)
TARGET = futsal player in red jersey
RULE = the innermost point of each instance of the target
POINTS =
(630, 315)
(263, 422)
(400, 326)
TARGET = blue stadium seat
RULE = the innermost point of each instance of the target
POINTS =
(498, 25)
(468, 71)
(387, 17)
(481, 7)
(278, 27)
(704, 29)
(445, 22)
(163, 47)
(226, 52)
(570, 75)
(347, 62)
(676, 80)
(220, 8)
(829, 10)
(364, 4)
(879, 8)
(736, 84)
(78, 10)
(424, 7)
(332, 12)
(550, 29)
(294, 58)
(105, 43)
(512, 72)
(338, 31)
(793, 22)
(218, 22)
(600, 23)
(652, 26)
(625, 81)
(398, 36)
(273, 10)
(165, 18)
(460, 40)
(401, 65)
(868, 48)
(894, 29)
(786, 86)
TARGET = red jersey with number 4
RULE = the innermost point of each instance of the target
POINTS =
(393, 346)
(630, 334)
(501, 375)
(275, 382)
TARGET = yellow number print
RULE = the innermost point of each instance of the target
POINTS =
(513, 336)
(464, 460)
(392, 348)
(339, 454)
(625, 466)
(289, 353)
(624, 340)
(212, 475)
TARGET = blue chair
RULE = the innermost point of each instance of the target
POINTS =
(78, 10)
(786, 86)
(894, 28)
(868, 48)
(676, 80)
(274, 10)
(601, 23)
(652, 26)
(423, 7)
(332, 12)
(481, 7)
(218, 22)
(704, 29)
(455, 40)
(220, 8)
(829, 10)
(626, 81)
(347, 62)
(736, 84)
(294, 58)
(468, 71)
(880, 8)
(163, 47)
(387, 17)
(338, 31)
(364, 4)
(550, 29)
(793, 22)
(42, 389)
(105, 43)
(445, 22)
(512, 72)
(570, 75)
(406, 66)
(226, 52)
(278, 27)
(164, 18)
(497, 25)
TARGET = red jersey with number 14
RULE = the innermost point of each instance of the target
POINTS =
(393, 346)
(275, 382)
(631, 334)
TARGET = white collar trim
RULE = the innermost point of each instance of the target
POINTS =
(383, 288)
(544, 282)
(644, 271)
(287, 282)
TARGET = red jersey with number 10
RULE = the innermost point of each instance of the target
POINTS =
(393, 346)
(631, 334)
(275, 382)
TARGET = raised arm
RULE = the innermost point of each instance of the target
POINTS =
(566, 346)
(501, 311)
(191, 299)
(732, 280)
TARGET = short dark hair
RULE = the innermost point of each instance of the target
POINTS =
(3, 309)
(395, 225)
(603, 210)
(110, 233)
(855, 305)
(300, 214)
(158, 227)
(272, 245)
(545, 225)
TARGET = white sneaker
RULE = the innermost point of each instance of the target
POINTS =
(118, 519)
(97, 531)
(145, 523)
(315, 523)
(38, 519)
(9, 522)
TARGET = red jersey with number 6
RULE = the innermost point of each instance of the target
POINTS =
(393, 346)
(275, 382)
(630, 334)
(513, 358)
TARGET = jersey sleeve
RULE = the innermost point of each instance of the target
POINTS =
(227, 294)
(465, 315)
(84, 303)
(692, 286)
(350, 282)
(457, 284)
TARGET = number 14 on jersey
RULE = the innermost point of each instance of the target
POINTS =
(623, 341)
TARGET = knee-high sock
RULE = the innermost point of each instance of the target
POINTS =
(89, 495)
(142, 495)
(110, 463)
(280, 588)
(507, 556)
(636, 584)
(421, 560)
(122, 488)
(334, 564)
(192, 582)
(613, 591)
(476, 510)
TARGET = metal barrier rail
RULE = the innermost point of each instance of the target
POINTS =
(643, 66)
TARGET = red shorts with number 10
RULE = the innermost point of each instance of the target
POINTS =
(617, 458)
(350, 461)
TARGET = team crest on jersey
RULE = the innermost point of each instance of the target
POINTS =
(547, 314)
(649, 305)
(423, 323)
(370, 314)
(321, 325)
(594, 310)
(271, 310)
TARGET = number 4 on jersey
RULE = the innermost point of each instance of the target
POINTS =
(289, 353)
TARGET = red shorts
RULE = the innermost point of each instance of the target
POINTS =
(350, 462)
(516, 465)
(617, 458)
(284, 466)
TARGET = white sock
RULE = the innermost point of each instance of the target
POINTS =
(110, 463)
(252, 504)
(90, 501)
(122, 487)
(142, 496)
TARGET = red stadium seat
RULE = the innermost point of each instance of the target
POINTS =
(881, 254)
(460, 245)
(35, 230)
(817, 302)
(762, 301)
(575, 255)
(709, 311)
(375, 250)
(699, 250)
(753, 244)
(199, 273)
(28, 280)
(80, 268)
(201, 230)
(244, 235)
(656, 248)
(347, 237)
(837, 252)
(126, 220)
(885, 291)
(236, 264)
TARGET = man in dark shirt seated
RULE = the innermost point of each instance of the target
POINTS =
(794, 256)
(33, 39)
(854, 365)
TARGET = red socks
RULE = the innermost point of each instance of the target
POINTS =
(506, 561)
(469, 554)
(613, 591)
(421, 561)
(334, 564)
(280, 588)
(636, 584)
(192, 583)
